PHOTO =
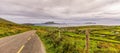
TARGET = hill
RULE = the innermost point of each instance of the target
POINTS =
(6, 21)
(8, 28)
(50, 22)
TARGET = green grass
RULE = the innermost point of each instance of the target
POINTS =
(72, 39)
(8, 28)
(103, 39)
(92, 38)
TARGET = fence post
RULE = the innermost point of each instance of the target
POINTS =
(59, 32)
(87, 41)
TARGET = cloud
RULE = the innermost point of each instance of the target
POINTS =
(60, 9)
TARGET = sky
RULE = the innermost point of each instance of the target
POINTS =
(38, 11)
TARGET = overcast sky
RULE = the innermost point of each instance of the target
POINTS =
(35, 11)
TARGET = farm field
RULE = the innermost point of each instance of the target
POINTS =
(103, 39)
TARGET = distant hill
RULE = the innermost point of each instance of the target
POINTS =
(51, 22)
(90, 23)
(28, 24)
(9, 25)
(6, 21)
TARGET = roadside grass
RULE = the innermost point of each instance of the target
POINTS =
(7, 29)
(103, 39)
(72, 40)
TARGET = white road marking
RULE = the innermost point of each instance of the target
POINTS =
(21, 48)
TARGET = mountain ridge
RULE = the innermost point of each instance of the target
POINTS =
(6, 21)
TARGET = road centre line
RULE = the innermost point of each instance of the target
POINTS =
(21, 48)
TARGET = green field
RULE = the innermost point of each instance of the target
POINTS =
(103, 39)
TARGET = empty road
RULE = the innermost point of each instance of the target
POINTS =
(27, 42)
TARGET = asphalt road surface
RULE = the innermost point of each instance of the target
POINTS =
(27, 42)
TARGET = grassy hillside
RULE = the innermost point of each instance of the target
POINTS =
(5, 21)
(8, 28)
(103, 39)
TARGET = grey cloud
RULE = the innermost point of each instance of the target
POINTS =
(58, 9)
